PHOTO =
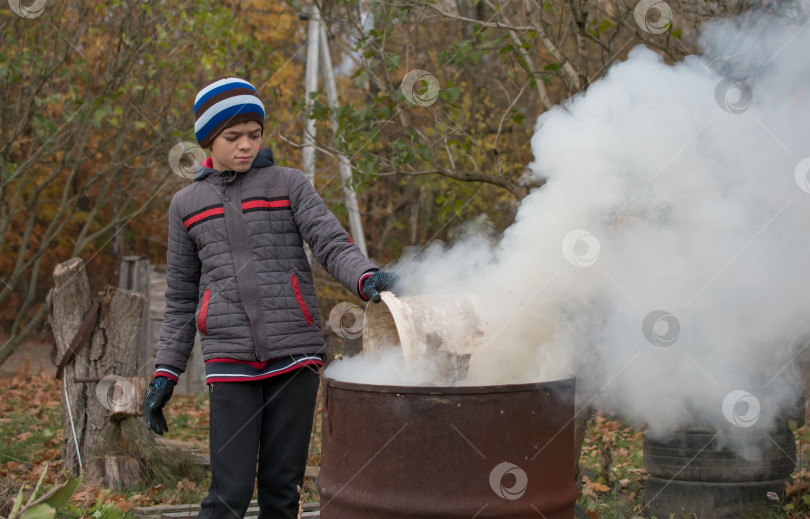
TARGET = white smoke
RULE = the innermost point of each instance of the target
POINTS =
(664, 263)
(386, 366)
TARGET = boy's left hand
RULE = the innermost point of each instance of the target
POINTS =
(160, 391)
(378, 282)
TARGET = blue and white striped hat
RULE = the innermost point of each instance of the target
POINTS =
(224, 103)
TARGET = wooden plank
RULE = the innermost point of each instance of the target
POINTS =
(251, 512)
(151, 512)
(176, 444)
(204, 458)
(191, 510)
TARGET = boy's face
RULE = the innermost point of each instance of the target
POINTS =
(236, 146)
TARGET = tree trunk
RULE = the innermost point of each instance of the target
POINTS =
(92, 381)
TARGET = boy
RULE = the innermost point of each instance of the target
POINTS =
(237, 273)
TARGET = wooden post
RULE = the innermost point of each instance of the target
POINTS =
(193, 380)
(133, 274)
(97, 369)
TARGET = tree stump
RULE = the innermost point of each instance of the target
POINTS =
(103, 404)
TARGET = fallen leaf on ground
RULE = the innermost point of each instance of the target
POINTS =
(795, 488)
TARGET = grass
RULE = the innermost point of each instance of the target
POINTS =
(31, 437)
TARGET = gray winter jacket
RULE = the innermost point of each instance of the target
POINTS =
(237, 270)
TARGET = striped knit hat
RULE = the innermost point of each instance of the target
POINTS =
(224, 103)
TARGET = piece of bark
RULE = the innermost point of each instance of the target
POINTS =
(121, 472)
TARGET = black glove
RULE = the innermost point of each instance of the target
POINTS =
(160, 391)
(378, 282)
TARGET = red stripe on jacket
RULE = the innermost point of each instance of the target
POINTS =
(300, 298)
(253, 204)
(294, 367)
(205, 214)
(360, 284)
(257, 364)
(203, 311)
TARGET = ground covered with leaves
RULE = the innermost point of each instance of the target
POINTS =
(612, 480)
(613, 475)
(31, 439)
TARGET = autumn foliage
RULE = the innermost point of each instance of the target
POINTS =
(94, 95)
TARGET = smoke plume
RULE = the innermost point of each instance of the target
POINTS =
(664, 263)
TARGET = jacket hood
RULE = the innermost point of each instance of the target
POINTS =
(263, 159)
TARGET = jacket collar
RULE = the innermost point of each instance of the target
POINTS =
(263, 159)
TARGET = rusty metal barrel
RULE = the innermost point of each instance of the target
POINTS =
(394, 452)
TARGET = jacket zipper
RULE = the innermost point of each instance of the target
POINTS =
(228, 178)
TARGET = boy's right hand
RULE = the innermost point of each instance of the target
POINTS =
(160, 391)
(378, 282)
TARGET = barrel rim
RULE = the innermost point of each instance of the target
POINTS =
(553, 385)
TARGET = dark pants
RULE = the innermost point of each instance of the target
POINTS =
(271, 419)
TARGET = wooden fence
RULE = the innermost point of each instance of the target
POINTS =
(136, 274)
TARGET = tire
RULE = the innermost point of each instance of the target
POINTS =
(705, 456)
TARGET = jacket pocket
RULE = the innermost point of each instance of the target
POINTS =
(203, 311)
(300, 298)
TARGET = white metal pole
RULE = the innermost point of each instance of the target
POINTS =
(349, 196)
(311, 85)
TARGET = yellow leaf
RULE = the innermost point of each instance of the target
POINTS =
(599, 487)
